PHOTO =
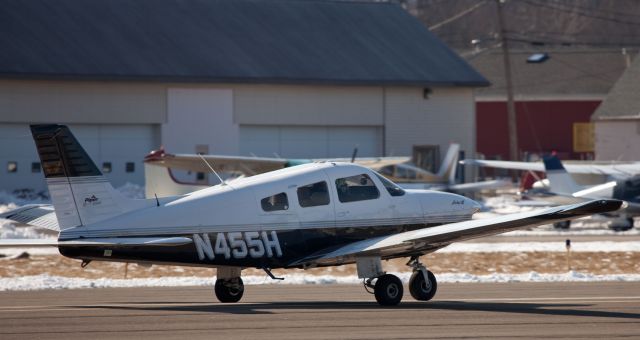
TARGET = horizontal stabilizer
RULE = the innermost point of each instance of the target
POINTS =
(98, 242)
(28, 243)
(37, 215)
(127, 242)
(427, 240)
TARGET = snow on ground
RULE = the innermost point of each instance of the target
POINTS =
(519, 247)
(462, 247)
(44, 281)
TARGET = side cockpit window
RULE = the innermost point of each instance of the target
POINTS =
(356, 188)
(275, 202)
(313, 195)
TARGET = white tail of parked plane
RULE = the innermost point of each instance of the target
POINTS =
(560, 181)
(450, 164)
(80, 194)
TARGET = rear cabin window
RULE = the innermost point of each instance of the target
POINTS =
(356, 188)
(275, 202)
(313, 195)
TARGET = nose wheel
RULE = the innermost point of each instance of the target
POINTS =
(422, 284)
(229, 290)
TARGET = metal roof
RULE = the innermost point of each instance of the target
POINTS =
(245, 41)
(568, 72)
(623, 102)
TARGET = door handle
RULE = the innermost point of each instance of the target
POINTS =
(342, 213)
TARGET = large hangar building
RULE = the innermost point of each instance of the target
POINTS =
(284, 77)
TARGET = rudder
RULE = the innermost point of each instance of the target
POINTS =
(80, 194)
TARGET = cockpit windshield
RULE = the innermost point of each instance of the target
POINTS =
(392, 188)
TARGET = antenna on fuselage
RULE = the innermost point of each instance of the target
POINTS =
(211, 168)
(354, 154)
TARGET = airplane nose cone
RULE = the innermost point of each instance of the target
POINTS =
(475, 206)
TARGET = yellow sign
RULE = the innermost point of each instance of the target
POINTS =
(583, 137)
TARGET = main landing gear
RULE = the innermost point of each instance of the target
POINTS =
(388, 288)
(229, 287)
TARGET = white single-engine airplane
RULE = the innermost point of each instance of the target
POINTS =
(312, 215)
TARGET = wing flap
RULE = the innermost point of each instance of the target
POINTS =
(430, 239)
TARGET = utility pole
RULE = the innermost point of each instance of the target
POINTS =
(511, 109)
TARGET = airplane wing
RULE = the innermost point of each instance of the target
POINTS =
(427, 240)
(37, 215)
(622, 169)
(377, 163)
(193, 162)
(530, 166)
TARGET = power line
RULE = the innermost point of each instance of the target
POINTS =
(458, 15)
(584, 14)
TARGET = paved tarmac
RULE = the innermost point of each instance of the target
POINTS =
(512, 310)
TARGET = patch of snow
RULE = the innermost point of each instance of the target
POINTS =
(497, 247)
(44, 281)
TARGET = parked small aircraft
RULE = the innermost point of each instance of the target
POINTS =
(584, 172)
(311, 215)
(561, 188)
(161, 181)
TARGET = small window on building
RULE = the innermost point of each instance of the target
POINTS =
(35, 167)
(106, 167)
(275, 202)
(12, 167)
(130, 167)
(200, 176)
(313, 195)
(356, 188)
(392, 188)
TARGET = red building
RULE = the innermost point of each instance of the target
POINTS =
(551, 95)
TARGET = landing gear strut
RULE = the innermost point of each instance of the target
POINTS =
(229, 290)
(422, 284)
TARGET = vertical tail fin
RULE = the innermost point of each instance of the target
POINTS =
(560, 181)
(450, 164)
(80, 194)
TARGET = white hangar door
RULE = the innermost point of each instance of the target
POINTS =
(310, 141)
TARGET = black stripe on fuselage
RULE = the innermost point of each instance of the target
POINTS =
(294, 245)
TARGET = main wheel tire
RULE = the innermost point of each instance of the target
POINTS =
(627, 225)
(421, 289)
(388, 290)
(562, 225)
(229, 292)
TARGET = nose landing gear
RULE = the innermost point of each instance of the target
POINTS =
(422, 284)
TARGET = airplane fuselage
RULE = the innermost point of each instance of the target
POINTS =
(269, 220)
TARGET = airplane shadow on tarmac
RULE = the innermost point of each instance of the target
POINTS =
(270, 307)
